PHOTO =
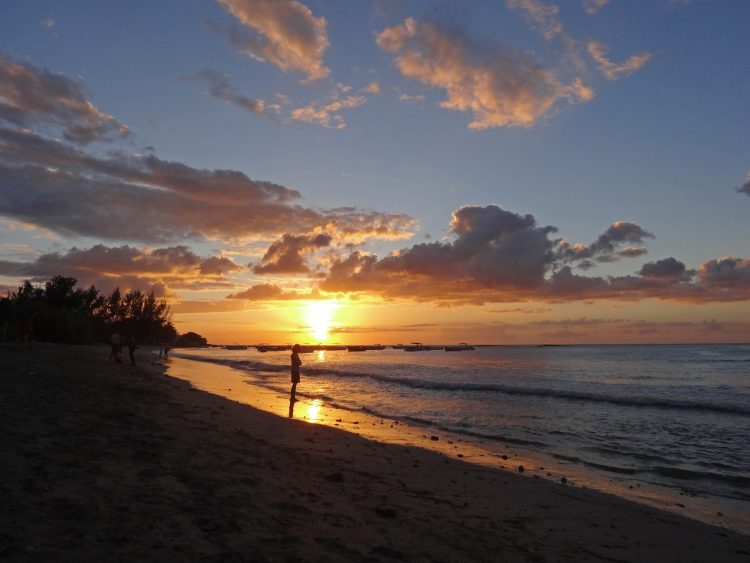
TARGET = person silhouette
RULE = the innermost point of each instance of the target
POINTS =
(296, 363)
(131, 348)
(116, 347)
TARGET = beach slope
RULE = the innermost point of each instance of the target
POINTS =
(113, 462)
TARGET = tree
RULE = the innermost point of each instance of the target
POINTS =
(61, 312)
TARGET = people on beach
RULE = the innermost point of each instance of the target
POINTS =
(164, 350)
(131, 348)
(114, 354)
(296, 363)
(25, 329)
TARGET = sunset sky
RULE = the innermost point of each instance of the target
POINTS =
(361, 171)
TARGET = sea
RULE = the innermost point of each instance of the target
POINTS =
(662, 424)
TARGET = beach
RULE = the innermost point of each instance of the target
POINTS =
(104, 460)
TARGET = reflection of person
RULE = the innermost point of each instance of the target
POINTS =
(131, 348)
(296, 363)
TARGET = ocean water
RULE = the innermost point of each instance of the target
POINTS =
(672, 416)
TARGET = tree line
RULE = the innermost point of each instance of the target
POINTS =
(59, 311)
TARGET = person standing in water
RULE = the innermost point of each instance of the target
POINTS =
(296, 363)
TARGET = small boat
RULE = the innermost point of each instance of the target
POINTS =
(416, 347)
(356, 348)
(376, 347)
(308, 349)
(398, 346)
(330, 347)
(271, 348)
(459, 348)
(235, 347)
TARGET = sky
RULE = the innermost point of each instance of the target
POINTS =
(386, 171)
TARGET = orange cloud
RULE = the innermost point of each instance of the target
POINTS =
(272, 292)
(506, 88)
(593, 6)
(613, 71)
(327, 114)
(282, 32)
(500, 256)
(285, 256)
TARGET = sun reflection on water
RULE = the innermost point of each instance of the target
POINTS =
(313, 410)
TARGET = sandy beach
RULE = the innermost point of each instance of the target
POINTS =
(123, 463)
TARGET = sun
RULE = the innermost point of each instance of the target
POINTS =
(318, 316)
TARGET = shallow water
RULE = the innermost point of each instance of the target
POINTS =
(672, 418)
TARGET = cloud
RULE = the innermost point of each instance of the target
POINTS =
(745, 188)
(593, 6)
(282, 32)
(545, 18)
(198, 306)
(103, 261)
(533, 311)
(410, 98)
(726, 272)
(541, 14)
(217, 266)
(144, 198)
(712, 325)
(327, 113)
(666, 269)
(160, 270)
(271, 292)
(608, 246)
(32, 96)
(220, 87)
(285, 256)
(620, 232)
(495, 255)
(494, 248)
(613, 71)
(372, 88)
(501, 88)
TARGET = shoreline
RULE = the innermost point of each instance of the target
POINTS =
(729, 513)
(107, 460)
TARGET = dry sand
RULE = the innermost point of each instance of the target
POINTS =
(111, 462)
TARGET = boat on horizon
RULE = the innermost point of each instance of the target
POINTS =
(235, 347)
(272, 348)
(416, 347)
(459, 347)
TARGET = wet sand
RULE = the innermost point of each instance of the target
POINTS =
(111, 461)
